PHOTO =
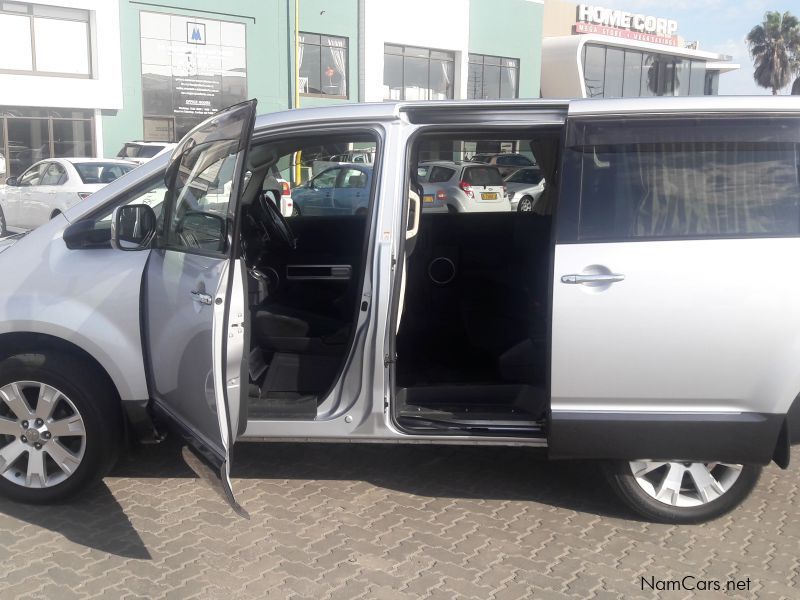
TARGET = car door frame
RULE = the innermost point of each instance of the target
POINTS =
(224, 303)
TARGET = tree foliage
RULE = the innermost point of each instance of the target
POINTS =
(775, 48)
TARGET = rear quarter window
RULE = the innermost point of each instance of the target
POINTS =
(440, 174)
(686, 178)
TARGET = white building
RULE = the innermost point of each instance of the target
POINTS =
(59, 67)
(592, 51)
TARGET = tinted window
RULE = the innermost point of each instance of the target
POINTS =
(514, 159)
(100, 172)
(594, 67)
(532, 176)
(440, 174)
(632, 75)
(483, 176)
(712, 177)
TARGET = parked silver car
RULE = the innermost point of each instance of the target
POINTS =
(645, 319)
(525, 187)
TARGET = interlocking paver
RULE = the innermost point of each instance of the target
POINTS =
(368, 521)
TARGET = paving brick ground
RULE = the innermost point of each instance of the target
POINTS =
(385, 522)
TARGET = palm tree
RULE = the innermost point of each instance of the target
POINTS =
(775, 48)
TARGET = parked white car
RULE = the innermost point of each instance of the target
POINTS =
(50, 187)
(525, 187)
(141, 152)
(463, 187)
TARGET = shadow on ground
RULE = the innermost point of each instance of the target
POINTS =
(468, 472)
(475, 472)
(94, 519)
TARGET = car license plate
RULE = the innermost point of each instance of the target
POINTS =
(428, 198)
(488, 195)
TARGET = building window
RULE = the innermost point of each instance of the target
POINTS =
(492, 77)
(44, 40)
(323, 65)
(191, 68)
(417, 73)
(610, 72)
(34, 134)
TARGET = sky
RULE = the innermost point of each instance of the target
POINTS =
(719, 25)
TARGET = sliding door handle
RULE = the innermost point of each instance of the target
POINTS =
(594, 278)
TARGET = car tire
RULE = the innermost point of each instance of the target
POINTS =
(525, 204)
(295, 210)
(3, 225)
(639, 488)
(85, 418)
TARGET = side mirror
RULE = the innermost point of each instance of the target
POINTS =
(133, 227)
(207, 231)
(12, 181)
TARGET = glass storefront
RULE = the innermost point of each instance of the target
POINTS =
(191, 68)
(28, 135)
(611, 72)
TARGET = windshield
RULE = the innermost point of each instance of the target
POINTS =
(532, 176)
(101, 172)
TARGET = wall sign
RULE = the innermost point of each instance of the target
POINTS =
(195, 33)
(626, 25)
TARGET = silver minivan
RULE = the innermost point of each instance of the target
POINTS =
(643, 316)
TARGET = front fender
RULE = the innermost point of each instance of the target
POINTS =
(90, 298)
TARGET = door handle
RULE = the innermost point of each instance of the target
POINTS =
(201, 297)
(593, 278)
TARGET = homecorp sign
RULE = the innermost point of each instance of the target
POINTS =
(626, 25)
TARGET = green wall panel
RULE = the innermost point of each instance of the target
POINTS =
(512, 29)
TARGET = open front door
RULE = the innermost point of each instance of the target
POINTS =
(195, 318)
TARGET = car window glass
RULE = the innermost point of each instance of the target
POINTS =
(326, 180)
(531, 176)
(440, 174)
(353, 178)
(33, 176)
(483, 176)
(700, 181)
(320, 176)
(53, 175)
(152, 194)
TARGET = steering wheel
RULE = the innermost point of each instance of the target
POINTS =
(275, 221)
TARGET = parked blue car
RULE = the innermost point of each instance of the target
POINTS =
(339, 190)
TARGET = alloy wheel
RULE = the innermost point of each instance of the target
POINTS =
(685, 484)
(42, 435)
(525, 205)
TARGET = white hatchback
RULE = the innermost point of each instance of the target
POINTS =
(50, 187)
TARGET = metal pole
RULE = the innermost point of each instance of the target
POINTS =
(298, 155)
